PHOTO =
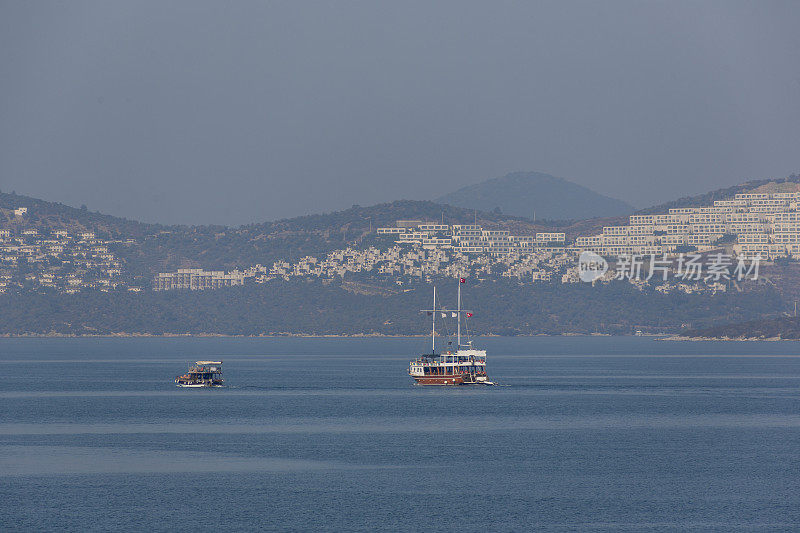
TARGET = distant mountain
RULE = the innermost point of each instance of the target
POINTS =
(522, 193)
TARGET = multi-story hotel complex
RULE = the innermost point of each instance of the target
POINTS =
(765, 224)
(196, 279)
(473, 239)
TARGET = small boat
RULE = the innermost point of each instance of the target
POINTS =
(202, 374)
(462, 366)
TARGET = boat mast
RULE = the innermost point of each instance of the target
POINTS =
(433, 327)
(458, 317)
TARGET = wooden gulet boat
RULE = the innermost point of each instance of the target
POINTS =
(464, 366)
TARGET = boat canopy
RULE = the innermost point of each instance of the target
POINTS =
(208, 362)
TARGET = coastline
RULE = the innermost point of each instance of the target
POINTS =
(198, 335)
(657, 337)
(281, 335)
(734, 339)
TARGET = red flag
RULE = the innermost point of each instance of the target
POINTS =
(469, 315)
(462, 280)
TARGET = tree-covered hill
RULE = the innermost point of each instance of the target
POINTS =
(46, 216)
(161, 247)
(290, 239)
(306, 306)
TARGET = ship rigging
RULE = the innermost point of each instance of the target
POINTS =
(464, 366)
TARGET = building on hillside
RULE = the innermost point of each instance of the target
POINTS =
(749, 224)
(469, 238)
(551, 237)
(391, 231)
(196, 279)
(766, 224)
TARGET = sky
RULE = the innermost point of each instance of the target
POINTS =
(237, 112)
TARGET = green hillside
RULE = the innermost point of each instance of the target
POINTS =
(306, 306)
(46, 216)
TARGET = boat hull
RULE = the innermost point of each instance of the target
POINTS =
(439, 380)
(198, 385)
(450, 379)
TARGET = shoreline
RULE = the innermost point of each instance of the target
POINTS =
(656, 337)
(728, 339)
(288, 335)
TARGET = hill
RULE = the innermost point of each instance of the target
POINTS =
(289, 239)
(522, 193)
(351, 304)
(46, 216)
(163, 248)
(320, 307)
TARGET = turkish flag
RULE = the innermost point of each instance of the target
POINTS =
(462, 280)
(469, 315)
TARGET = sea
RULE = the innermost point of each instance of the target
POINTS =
(331, 434)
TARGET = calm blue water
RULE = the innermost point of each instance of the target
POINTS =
(601, 434)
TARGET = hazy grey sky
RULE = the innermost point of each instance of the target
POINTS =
(233, 112)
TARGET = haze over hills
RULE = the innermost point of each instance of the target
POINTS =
(168, 247)
(165, 247)
(46, 215)
(358, 298)
(523, 193)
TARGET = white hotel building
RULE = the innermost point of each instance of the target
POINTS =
(472, 238)
(753, 223)
(196, 279)
(758, 223)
